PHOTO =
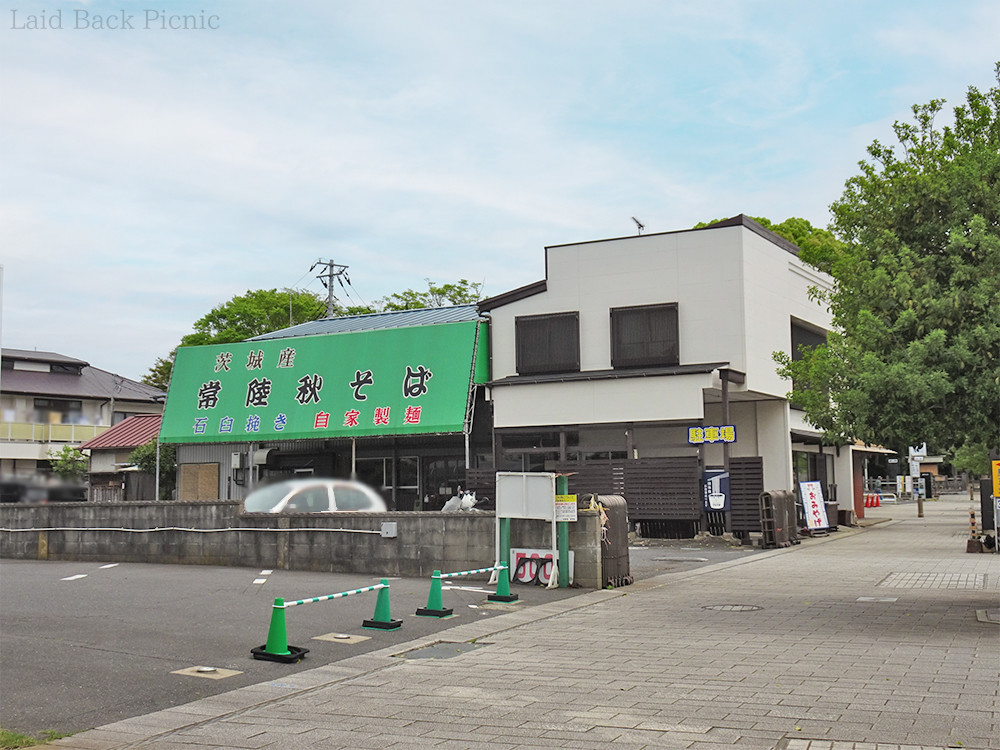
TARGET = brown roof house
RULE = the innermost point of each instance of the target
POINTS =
(113, 477)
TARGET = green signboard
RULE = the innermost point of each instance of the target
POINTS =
(399, 381)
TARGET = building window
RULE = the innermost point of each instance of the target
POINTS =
(547, 343)
(804, 337)
(58, 411)
(644, 336)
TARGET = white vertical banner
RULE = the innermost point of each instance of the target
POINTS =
(815, 507)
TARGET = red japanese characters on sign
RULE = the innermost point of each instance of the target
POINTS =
(813, 505)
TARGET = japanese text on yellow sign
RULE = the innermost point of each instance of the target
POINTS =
(715, 434)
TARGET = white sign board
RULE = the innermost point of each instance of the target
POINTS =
(815, 507)
(536, 566)
(526, 495)
(565, 507)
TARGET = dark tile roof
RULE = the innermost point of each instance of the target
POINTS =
(376, 321)
(90, 382)
(33, 356)
(132, 432)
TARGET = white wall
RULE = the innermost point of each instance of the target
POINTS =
(678, 397)
(736, 294)
(777, 289)
(700, 271)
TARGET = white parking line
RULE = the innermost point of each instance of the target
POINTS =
(260, 580)
(73, 578)
(109, 565)
(466, 588)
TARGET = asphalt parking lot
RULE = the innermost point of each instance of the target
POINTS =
(84, 644)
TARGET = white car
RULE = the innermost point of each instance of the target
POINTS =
(313, 496)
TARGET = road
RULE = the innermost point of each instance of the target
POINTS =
(84, 644)
(87, 643)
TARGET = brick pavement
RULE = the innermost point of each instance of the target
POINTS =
(863, 640)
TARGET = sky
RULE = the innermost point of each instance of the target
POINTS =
(150, 172)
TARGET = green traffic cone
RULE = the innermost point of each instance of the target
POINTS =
(277, 637)
(503, 587)
(435, 603)
(277, 648)
(382, 619)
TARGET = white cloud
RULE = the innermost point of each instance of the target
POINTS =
(151, 176)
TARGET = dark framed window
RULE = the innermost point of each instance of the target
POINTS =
(58, 411)
(804, 337)
(644, 336)
(547, 343)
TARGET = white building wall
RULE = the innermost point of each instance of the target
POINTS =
(700, 271)
(777, 289)
(600, 401)
(737, 293)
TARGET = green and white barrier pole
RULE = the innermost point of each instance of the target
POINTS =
(435, 605)
(277, 648)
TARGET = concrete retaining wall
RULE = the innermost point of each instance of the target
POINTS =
(218, 533)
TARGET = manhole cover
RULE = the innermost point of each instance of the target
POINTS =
(733, 607)
(440, 650)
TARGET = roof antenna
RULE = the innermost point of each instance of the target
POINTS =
(639, 224)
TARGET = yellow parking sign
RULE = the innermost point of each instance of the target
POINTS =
(996, 478)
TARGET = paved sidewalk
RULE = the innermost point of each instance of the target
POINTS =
(870, 639)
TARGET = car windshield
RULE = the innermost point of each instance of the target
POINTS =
(264, 499)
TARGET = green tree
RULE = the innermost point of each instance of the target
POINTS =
(256, 312)
(800, 232)
(144, 457)
(242, 317)
(159, 374)
(69, 464)
(462, 292)
(914, 353)
(266, 310)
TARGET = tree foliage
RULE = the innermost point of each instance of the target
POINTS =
(265, 310)
(800, 232)
(244, 316)
(914, 354)
(462, 292)
(144, 457)
(68, 463)
(254, 313)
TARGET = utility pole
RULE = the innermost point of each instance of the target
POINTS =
(333, 271)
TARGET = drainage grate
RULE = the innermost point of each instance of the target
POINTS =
(934, 581)
(733, 607)
(440, 650)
